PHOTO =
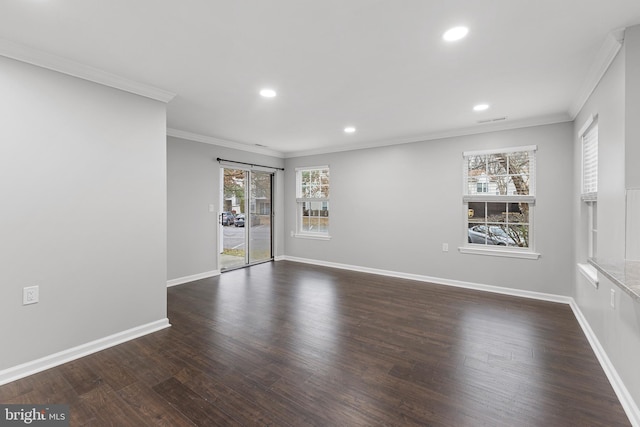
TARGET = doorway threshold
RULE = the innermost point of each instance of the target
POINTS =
(238, 267)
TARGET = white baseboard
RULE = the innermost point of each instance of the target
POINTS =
(626, 400)
(438, 281)
(44, 363)
(192, 278)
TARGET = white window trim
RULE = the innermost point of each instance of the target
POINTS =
(508, 252)
(496, 198)
(500, 150)
(587, 124)
(590, 273)
(299, 234)
(590, 198)
(310, 168)
(591, 247)
(312, 236)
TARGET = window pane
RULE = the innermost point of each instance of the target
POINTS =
(496, 212)
(518, 235)
(476, 172)
(476, 213)
(506, 174)
(477, 233)
(490, 234)
(314, 183)
(590, 161)
(518, 166)
(478, 163)
(497, 223)
(306, 223)
(315, 217)
(518, 213)
(502, 184)
(519, 163)
(497, 164)
(593, 247)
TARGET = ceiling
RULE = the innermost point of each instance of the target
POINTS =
(378, 65)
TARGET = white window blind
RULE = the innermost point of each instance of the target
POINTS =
(590, 163)
(509, 174)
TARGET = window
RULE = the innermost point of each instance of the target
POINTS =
(499, 199)
(312, 197)
(592, 221)
(589, 136)
(590, 162)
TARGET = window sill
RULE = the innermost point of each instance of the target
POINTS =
(508, 253)
(590, 273)
(312, 236)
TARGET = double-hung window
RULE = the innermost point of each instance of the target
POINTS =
(312, 198)
(589, 140)
(589, 136)
(499, 198)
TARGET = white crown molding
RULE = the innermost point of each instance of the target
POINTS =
(473, 130)
(66, 66)
(190, 136)
(605, 56)
(479, 129)
(56, 359)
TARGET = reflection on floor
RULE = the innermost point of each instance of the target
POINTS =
(231, 261)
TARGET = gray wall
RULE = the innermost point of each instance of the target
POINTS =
(632, 105)
(193, 184)
(393, 207)
(617, 329)
(83, 196)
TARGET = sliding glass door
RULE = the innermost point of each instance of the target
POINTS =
(245, 224)
(260, 230)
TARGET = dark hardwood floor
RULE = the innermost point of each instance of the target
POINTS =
(287, 344)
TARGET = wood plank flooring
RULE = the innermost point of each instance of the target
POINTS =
(287, 344)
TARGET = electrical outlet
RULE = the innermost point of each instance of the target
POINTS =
(30, 295)
(445, 247)
(613, 298)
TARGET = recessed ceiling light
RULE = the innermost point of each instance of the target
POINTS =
(349, 129)
(268, 93)
(455, 33)
(481, 107)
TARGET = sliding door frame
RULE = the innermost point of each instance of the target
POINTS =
(250, 212)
